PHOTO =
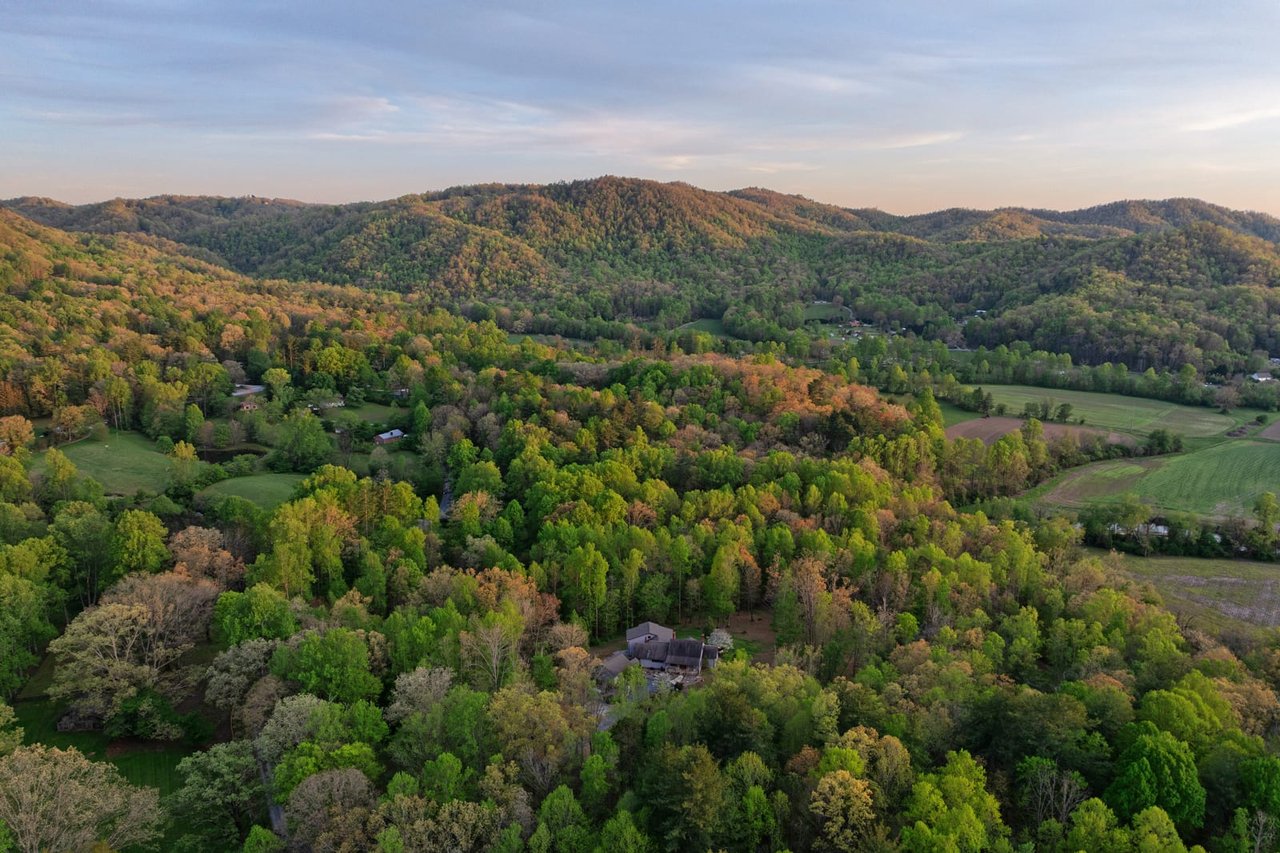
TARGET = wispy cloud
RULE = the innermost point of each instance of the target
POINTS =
(971, 101)
(1223, 121)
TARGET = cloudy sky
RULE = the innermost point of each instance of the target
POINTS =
(906, 106)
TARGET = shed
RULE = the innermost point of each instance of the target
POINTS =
(388, 437)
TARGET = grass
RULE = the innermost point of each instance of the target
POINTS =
(154, 765)
(123, 463)
(953, 414)
(375, 413)
(1134, 415)
(1220, 481)
(266, 490)
(710, 325)
(825, 312)
(1216, 595)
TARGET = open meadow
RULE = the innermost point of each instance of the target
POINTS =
(123, 462)
(1136, 415)
(265, 490)
(1217, 482)
(1219, 596)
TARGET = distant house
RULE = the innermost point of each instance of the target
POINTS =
(400, 393)
(1262, 377)
(246, 390)
(389, 437)
(249, 405)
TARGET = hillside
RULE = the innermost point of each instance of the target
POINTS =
(1145, 283)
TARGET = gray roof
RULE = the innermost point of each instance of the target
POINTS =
(655, 650)
(684, 653)
(644, 629)
(612, 666)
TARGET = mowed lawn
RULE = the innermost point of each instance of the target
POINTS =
(374, 412)
(266, 490)
(123, 463)
(1114, 411)
(953, 414)
(710, 325)
(151, 764)
(1216, 594)
(1220, 481)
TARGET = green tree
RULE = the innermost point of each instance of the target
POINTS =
(333, 664)
(220, 797)
(258, 612)
(139, 543)
(953, 810)
(1157, 769)
(303, 444)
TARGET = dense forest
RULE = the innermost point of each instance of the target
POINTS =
(1146, 284)
(413, 646)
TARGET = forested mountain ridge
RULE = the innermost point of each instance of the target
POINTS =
(589, 253)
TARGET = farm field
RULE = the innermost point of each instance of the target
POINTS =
(1216, 482)
(1216, 595)
(266, 490)
(123, 463)
(1116, 412)
(990, 429)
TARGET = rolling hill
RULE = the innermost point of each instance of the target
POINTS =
(1146, 283)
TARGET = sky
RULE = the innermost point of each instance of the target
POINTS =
(906, 106)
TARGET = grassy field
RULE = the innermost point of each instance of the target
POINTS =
(953, 414)
(825, 312)
(149, 764)
(266, 490)
(1216, 595)
(1115, 412)
(374, 412)
(710, 325)
(1217, 482)
(123, 463)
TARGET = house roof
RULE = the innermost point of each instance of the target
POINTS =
(655, 651)
(612, 666)
(387, 436)
(684, 653)
(644, 629)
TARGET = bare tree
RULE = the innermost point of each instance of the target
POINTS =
(489, 653)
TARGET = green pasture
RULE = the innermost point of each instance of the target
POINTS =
(123, 462)
(1217, 482)
(266, 490)
(1135, 415)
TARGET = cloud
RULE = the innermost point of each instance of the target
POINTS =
(1223, 121)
